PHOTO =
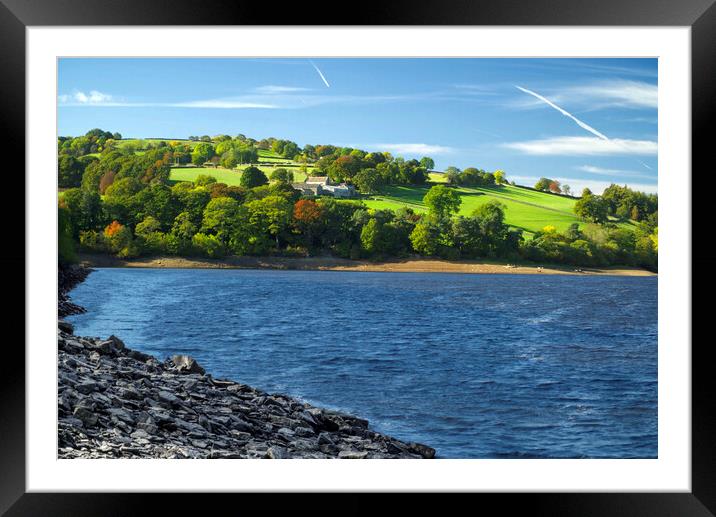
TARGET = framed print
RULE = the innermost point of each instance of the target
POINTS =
(430, 244)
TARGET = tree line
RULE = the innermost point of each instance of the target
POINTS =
(619, 202)
(122, 203)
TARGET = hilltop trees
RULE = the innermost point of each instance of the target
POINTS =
(473, 177)
(625, 203)
(453, 175)
(427, 163)
(548, 185)
(345, 164)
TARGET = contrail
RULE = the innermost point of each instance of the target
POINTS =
(565, 113)
(568, 114)
(320, 73)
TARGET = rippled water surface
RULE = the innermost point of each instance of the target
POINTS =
(477, 366)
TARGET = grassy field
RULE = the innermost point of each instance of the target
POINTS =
(230, 177)
(525, 209)
(191, 173)
(137, 141)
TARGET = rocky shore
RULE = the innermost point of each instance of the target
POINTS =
(114, 402)
(68, 277)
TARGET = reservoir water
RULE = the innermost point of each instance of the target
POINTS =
(476, 366)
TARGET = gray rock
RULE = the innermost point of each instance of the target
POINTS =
(116, 402)
(325, 438)
(86, 415)
(118, 343)
(74, 422)
(139, 356)
(422, 450)
(168, 398)
(187, 364)
(86, 387)
(121, 414)
(277, 453)
(65, 326)
(130, 393)
(353, 455)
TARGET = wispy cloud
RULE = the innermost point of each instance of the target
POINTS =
(599, 70)
(625, 94)
(619, 93)
(265, 97)
(71, 102)
(414, 149)
(584, 146)
(613, 142)
(220, 104)
(591, 169)
(577, 184)
(479, 89)
(94, 97)
(323, 77)
(271, 89)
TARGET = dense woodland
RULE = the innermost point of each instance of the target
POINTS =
(120, 201)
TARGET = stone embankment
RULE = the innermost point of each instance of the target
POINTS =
(114, 402)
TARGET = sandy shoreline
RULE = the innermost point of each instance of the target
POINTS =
(338, 264)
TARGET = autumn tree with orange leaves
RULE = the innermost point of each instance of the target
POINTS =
(307, 216)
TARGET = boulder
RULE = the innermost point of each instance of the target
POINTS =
(422, 450)
(65, 326)
(118, 343)
(187, 364)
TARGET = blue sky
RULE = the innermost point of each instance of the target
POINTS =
(584, 122)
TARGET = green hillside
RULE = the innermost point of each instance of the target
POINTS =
(230, 177)
(525, 209)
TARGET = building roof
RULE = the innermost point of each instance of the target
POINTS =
(342, 186)
(317, 179)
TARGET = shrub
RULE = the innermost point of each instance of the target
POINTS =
(208, 245)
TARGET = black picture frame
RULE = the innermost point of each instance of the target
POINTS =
(700, 15)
